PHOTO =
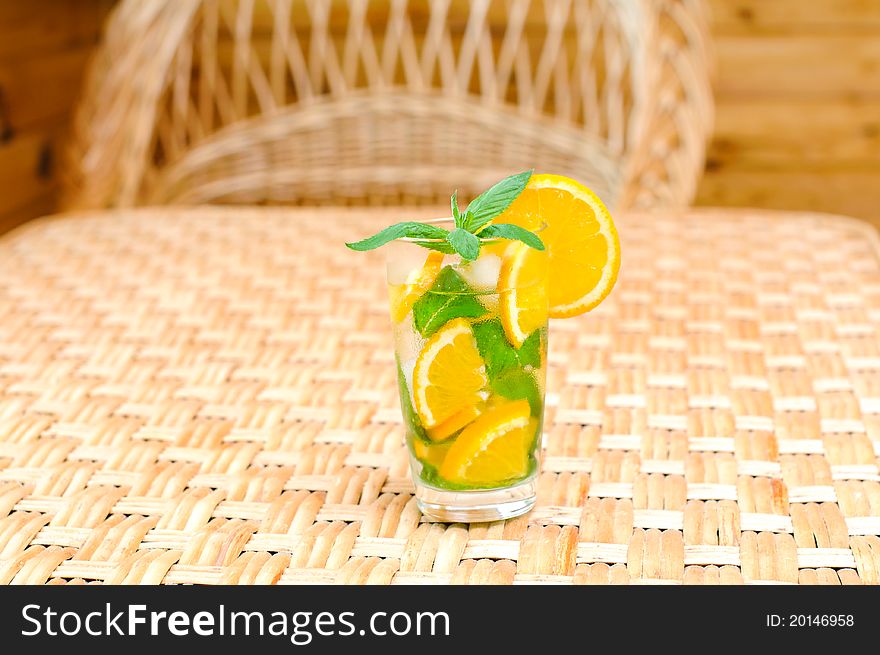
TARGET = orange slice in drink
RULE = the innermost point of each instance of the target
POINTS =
(453, 424)
(523, 297)
(417, 283)
(492, 449)
(449, 374)
(430, 453)
(582, 244)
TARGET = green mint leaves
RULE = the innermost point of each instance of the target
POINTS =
(508, 231)
(508, 367)
(493, 202)
(472, 226)
(449, 297)
(412, 229)
(500, 356)
(412, 420)
(464, 243)
(456, 214)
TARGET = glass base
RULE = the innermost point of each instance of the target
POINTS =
(476, 506)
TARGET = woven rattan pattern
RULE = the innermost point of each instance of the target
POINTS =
(208, 396)
(378, 102)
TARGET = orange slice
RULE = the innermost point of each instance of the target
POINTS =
(433, 453)
(404, 296)
(453, 424)
(492, 449)
(523, 297)
(581, 240)
(449, 374)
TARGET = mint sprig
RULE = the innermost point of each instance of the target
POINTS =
(440, 246)
(456, 214)
(472, 227)
(448, 298)
(510, 231)
(493, 202)
(464, 243)
(412, 229)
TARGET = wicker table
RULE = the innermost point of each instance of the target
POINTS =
(208, 396)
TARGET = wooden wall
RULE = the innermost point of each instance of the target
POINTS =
(43, 50)
(798, 106)
(797, 93)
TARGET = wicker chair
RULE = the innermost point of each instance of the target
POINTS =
(395, 101)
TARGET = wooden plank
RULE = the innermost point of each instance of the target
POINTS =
(751, 17)
(849, 192)
(41, 88)
(799, 67)
(27, 165)
(48, 25)
(43, 50)
(783, 133)
(42, 205)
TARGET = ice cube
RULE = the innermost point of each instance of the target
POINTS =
(398, 271)
(406, 339)
(408, 367)
(404, 265)
(482, 274)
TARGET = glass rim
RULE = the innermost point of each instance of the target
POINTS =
(450, 219)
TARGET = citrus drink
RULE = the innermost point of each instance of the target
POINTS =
(470, 301)
(471, 351)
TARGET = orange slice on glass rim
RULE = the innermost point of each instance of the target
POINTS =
(581, 240)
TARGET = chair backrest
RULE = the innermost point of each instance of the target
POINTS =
(363, 101)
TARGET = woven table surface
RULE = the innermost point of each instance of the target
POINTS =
(209, 396)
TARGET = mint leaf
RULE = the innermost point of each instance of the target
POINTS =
(530, 352)
(517, 385)
(499, 355)
(440, 246)
(450, 297)
(410, 418)
(506, 365)
(509, 231)
(495, 200)
(466, 244)
(410, 229)
(456, 214)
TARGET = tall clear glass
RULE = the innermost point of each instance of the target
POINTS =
(471, 349)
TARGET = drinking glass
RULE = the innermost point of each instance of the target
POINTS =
(470, 341)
